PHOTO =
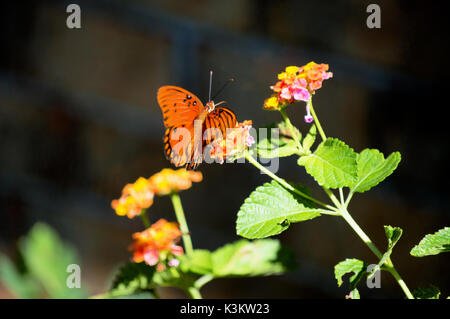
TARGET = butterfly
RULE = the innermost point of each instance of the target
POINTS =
(190, 124)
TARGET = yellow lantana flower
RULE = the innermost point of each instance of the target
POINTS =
(169, 180)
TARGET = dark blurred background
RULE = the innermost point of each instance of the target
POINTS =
(79, 120)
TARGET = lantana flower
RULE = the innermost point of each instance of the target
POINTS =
(169, 180)
(297, 84)
(135, 197)
(139, 195)
(234, 144)
(157, 245)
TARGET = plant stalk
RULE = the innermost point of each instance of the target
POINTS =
(144, 218)
(192, 291)
(176, 202)
(316, 120)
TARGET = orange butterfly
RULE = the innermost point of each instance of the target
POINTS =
(190, 125)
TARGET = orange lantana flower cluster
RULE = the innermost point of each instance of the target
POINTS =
(236, 141)
(297, 84)
(157, 245)
(139, 195)
(169, 180)
(135, 197)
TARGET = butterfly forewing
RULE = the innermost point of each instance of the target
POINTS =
(178, 106)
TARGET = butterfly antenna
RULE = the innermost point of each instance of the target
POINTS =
(223, 87)
(210, 84)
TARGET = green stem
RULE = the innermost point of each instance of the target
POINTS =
(332, 197)
(194, 293)
(341, 195)
(144, 218)
(176, 201)
(349, 219)
(347, 201)
(203, 280)
(316, 120)
(400, 281)
(284, 183)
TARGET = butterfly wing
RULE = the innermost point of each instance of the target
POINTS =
(176, 147)
(220, 118)
(178, 106)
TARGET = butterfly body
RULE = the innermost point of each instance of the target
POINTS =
(190, 125)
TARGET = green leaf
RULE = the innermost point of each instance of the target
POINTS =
(332, 165)
(393, 234)
(199, 262)
(280, 141)
(257, 258)
(433, 244)
(133, 281)
(269, 210)
(47, 258)
(276, 148)
(174, 277)
(373, 169)
(132, 278)
(20, 285)
(432, 292)
(309, 139)
(355, 266)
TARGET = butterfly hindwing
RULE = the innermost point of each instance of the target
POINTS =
(220, 118)
(178, 145)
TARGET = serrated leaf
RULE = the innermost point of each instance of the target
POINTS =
(432, 292)
(198, 262)
(174, 277)
(257, 258)
(355, 266)
(131, 281)
(332, 165)
(433, 244)
(393, 235)
(269, 210)
(309, 139)
(47, 258)
(373, 169)
(134, 277)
